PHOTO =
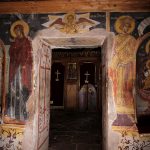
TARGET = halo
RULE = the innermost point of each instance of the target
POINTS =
(119, 22)
(147, 48)
(69, 14)
(148, 64)
(19, 22)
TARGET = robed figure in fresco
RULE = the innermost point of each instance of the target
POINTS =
(143, 75)
(20, 72)
(122, 66)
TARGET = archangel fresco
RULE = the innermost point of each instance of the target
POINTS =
(20, 72)
(122, 68)
(71, 23)
(129, 28)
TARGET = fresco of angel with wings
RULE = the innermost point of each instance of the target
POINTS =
(71, 23)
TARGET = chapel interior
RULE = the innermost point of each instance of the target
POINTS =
(76, 110)
(74, 75)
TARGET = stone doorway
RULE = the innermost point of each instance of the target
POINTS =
(42, 46)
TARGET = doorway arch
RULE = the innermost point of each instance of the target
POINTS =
(43, 44)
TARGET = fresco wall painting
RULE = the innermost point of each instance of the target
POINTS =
(122, 70)
(17, 31)
(71, 23)
(126, 73)
(143, 75)
(20, 72)
(124, 59)
(128, 53)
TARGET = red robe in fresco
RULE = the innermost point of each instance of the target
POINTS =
(20, 55)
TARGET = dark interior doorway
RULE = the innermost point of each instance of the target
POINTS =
(57, 84)
(77, 130)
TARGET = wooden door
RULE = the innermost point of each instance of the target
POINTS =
(87, 93)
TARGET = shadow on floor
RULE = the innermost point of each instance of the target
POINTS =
(75, 130)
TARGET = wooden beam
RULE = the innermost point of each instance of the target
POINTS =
(108, 21)
(75, 6)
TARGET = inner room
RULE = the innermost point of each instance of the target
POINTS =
(76, 100)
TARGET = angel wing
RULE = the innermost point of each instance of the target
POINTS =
(85, 21)
(85, 24)
(57, 22)
(53, 22)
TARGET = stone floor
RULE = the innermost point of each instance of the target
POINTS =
(75, 131)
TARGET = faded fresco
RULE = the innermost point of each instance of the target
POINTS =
(129, 77)
(55, 21)
(20, 73)
(71, 23)
(122, 68)
(142, 73)
(17, 33)
(131, 49)
(143, 76)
